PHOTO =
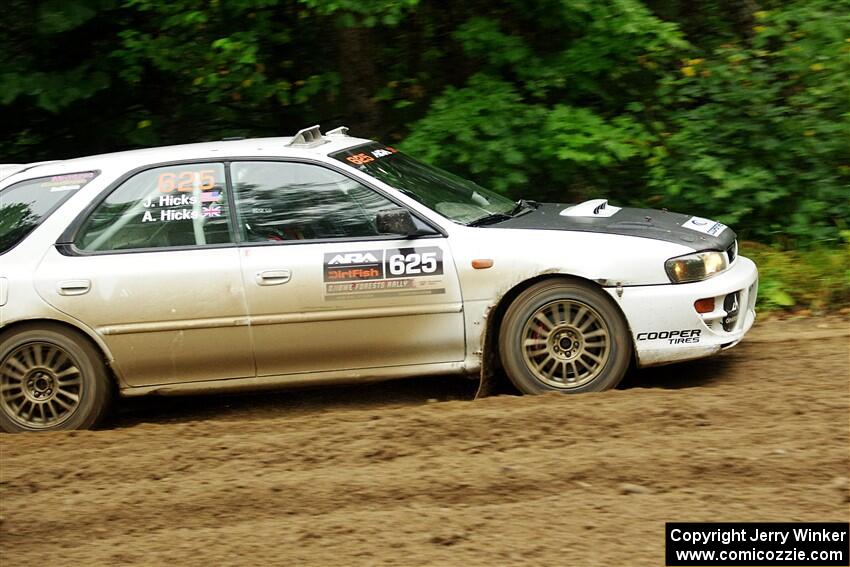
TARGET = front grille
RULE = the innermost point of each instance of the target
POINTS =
(732, 251)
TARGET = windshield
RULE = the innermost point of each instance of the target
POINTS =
(24, 205)
(453, 197)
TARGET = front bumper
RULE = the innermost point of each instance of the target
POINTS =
(666, 327)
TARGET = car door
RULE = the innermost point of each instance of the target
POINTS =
(154, 270)
(325, 291)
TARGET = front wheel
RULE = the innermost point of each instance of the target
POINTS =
(50, 379)
(566, 337)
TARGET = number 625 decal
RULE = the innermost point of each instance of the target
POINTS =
(414, 262)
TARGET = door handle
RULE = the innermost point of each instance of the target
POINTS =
(273, 277)
(74, 287)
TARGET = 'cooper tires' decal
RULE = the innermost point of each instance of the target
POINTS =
(673, 337)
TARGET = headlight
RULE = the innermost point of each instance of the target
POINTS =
(695, 267)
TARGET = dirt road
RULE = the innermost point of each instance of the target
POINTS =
(413, 473)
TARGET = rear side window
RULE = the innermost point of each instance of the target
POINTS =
(165, 207)
(24, 205)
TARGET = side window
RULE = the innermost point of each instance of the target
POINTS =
(24, 205)
(179, 205)
(298, 201)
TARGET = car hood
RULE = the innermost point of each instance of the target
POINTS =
(598, 216)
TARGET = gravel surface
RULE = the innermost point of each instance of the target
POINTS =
(416, 473)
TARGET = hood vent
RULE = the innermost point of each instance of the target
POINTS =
(595, 208)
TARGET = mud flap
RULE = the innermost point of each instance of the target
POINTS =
(494, 382)
(485, 384)
(492, 379)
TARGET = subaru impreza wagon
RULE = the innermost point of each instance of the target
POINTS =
(324, 258)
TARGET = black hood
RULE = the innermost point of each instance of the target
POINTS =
(627, 221)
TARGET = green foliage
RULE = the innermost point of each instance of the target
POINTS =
(554, 118)
(482, 128)
(48, 76)
(580, 136)
(57, 16)
(713, 108)
(360, 13)
(757, 132)
(754, 132)
(816, 279)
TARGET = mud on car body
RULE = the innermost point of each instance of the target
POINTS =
(324, 258)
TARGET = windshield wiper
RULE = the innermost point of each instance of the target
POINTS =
(524, 206)
(490, 219)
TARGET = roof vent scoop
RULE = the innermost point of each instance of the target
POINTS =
(595, 208)
(341, 131)
(307, 138)
(312, 137)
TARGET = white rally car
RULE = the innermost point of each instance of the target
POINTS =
(321, 259)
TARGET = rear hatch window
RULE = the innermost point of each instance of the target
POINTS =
(24, 205)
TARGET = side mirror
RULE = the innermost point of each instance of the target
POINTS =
(396, 221)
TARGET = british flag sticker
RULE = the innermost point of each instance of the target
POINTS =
(211, 211)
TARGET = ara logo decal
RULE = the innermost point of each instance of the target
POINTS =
(353, 258)
(354, 266)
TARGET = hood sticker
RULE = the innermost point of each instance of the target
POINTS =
(380, 273)
(705, 226)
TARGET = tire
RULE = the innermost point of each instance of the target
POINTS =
(51, 379)
(564, 336)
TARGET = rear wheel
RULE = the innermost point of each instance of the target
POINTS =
(564, 336)
(51, 379)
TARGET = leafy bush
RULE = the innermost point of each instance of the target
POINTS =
(754, 131)
(550, 112)
(817, 279)
(757, 132)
